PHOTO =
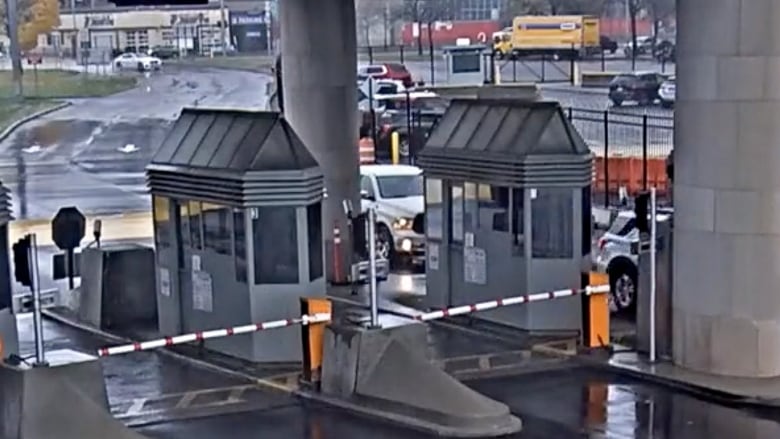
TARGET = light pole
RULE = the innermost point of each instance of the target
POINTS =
(75, 30)
(222, 26)
(13, 43)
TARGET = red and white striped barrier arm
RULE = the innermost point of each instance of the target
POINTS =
(216, 333)
(509, 301)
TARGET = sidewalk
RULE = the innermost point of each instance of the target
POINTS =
(568, 88)
(750, 391)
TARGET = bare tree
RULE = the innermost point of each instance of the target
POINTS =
(427, 12)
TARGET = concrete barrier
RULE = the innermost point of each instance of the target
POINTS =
(66, 400)
(118, 287)
(598, 79)
(385, 373)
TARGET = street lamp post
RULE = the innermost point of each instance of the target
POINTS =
(222, 26)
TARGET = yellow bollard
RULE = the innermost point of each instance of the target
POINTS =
(596, 324)
(395, 144)
(313, 337)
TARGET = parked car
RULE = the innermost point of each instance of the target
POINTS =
(135, 61)
(395, 71)
(617, 257)
(639, 87)
(608, 44)
(164, 52)
(397, 193)
(668, 92)
(644, 46)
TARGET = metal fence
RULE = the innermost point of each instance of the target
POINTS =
(630, 150)
(429, 65)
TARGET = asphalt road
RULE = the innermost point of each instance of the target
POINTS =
(93, 153)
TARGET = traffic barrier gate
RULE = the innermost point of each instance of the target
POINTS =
(317, 313)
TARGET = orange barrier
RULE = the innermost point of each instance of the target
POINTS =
(628, 172)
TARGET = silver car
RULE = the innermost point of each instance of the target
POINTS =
(668, 92)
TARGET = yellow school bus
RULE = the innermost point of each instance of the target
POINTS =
(562, 35)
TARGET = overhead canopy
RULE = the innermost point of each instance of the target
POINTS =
(234, 157)
(507, 141)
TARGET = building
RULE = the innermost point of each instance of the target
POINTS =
(100, 29)
(478, 9)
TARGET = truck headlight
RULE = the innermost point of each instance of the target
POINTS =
(402, 223)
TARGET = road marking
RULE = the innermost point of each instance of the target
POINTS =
(186, 400)
(235, 395)
(136, 407)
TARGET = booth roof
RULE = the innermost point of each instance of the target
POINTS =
(234, 142)
(504, 128)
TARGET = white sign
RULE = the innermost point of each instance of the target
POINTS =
(474, 265)
(195, 263)
(433, 256)
(202, 294)
(165, 282)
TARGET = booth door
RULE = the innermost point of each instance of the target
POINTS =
(182, 217)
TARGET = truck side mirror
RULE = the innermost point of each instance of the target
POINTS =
(366, 196)
(418, 224)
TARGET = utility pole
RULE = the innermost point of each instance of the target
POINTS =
(12, 15)
(222, 26)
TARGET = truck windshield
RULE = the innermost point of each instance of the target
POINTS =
(400, 186)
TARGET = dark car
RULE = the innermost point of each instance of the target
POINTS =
(608, 44)
(639, 87)
(164, 52)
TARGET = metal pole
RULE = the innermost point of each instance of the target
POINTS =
(75, 30)
(13, 46)
(40, 356)
(430, 52)
(372, 266)
(653, 243)
(222, 27)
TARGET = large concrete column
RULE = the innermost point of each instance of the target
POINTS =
(727, 188)
(319, 68)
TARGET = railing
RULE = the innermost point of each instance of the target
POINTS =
(428, 65)
(630, 151)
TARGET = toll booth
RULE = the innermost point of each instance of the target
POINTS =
(9, 339)
(238, 229)
(507, 193)
(467, 64)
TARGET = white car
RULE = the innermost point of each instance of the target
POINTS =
(397, 193)
(135, 61)
(667, 92)
(617, 257)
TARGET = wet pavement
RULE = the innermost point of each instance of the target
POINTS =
(575, 403)
(93, 153)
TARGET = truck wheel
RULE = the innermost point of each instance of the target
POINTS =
(384, 244)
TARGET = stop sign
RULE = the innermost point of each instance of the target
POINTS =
(68, 228)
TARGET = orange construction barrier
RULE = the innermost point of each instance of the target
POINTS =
(366, 150)
(628, 172)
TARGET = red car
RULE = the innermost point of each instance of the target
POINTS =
(393, 71)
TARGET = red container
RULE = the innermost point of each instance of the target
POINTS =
(445, 33)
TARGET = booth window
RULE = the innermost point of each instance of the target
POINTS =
(196, 226)
(493, 207)
(239, 244)
(470, 208)
(216, 229)
(518, 221)
(433, 208)
(456, 229)
(314, 228)
(184, 223)
(467, 62)
(162, 221)
(275, 235)
(552, 222)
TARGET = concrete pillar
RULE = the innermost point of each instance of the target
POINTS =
(726, 307)
(319, 68)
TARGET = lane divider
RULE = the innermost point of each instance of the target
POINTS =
(216, 333)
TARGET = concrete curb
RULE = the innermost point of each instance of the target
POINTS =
(575, 90)
(265, 70)
(16, 124)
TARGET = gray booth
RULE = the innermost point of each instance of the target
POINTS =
(507, 192)
(467, 64)
(238, 229)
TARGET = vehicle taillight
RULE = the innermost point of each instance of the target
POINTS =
(602, 243)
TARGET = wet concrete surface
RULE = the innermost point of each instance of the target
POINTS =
(137, 375)
(568, 404)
